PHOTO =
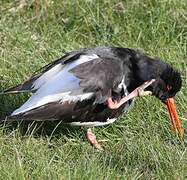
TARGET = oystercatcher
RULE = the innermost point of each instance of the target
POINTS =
(94, 86)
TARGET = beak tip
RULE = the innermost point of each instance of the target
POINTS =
(181, 133)
(176, 123)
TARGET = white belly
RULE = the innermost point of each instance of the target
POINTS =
(93, 124)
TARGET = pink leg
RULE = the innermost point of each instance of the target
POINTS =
(139, 91)
(92, 139)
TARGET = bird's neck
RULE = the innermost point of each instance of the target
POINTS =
(145, 68)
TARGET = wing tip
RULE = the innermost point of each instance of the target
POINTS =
(9, 119)
(15, 90)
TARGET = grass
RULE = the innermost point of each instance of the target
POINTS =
(140, 145)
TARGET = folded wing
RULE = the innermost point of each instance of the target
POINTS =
(79, 77)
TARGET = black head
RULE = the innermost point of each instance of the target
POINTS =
(168, 84)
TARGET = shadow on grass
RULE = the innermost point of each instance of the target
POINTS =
(8, 103)
(41, 128)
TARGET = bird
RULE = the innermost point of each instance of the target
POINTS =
(94, 86)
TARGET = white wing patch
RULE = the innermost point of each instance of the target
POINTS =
(63, 97)
(57, 84)
(46, 76)
(62, 69)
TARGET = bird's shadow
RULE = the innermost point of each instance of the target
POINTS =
(45, 129)
(8, 103)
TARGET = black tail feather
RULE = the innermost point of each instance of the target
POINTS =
(16, 89)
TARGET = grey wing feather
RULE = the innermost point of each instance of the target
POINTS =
(100, 76)
(27, 86)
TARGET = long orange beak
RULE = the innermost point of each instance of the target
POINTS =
(176, 123)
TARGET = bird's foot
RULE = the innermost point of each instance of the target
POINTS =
(112, 104)
(139, 91)
(92, 139)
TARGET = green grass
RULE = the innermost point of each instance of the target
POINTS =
(140, 145)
